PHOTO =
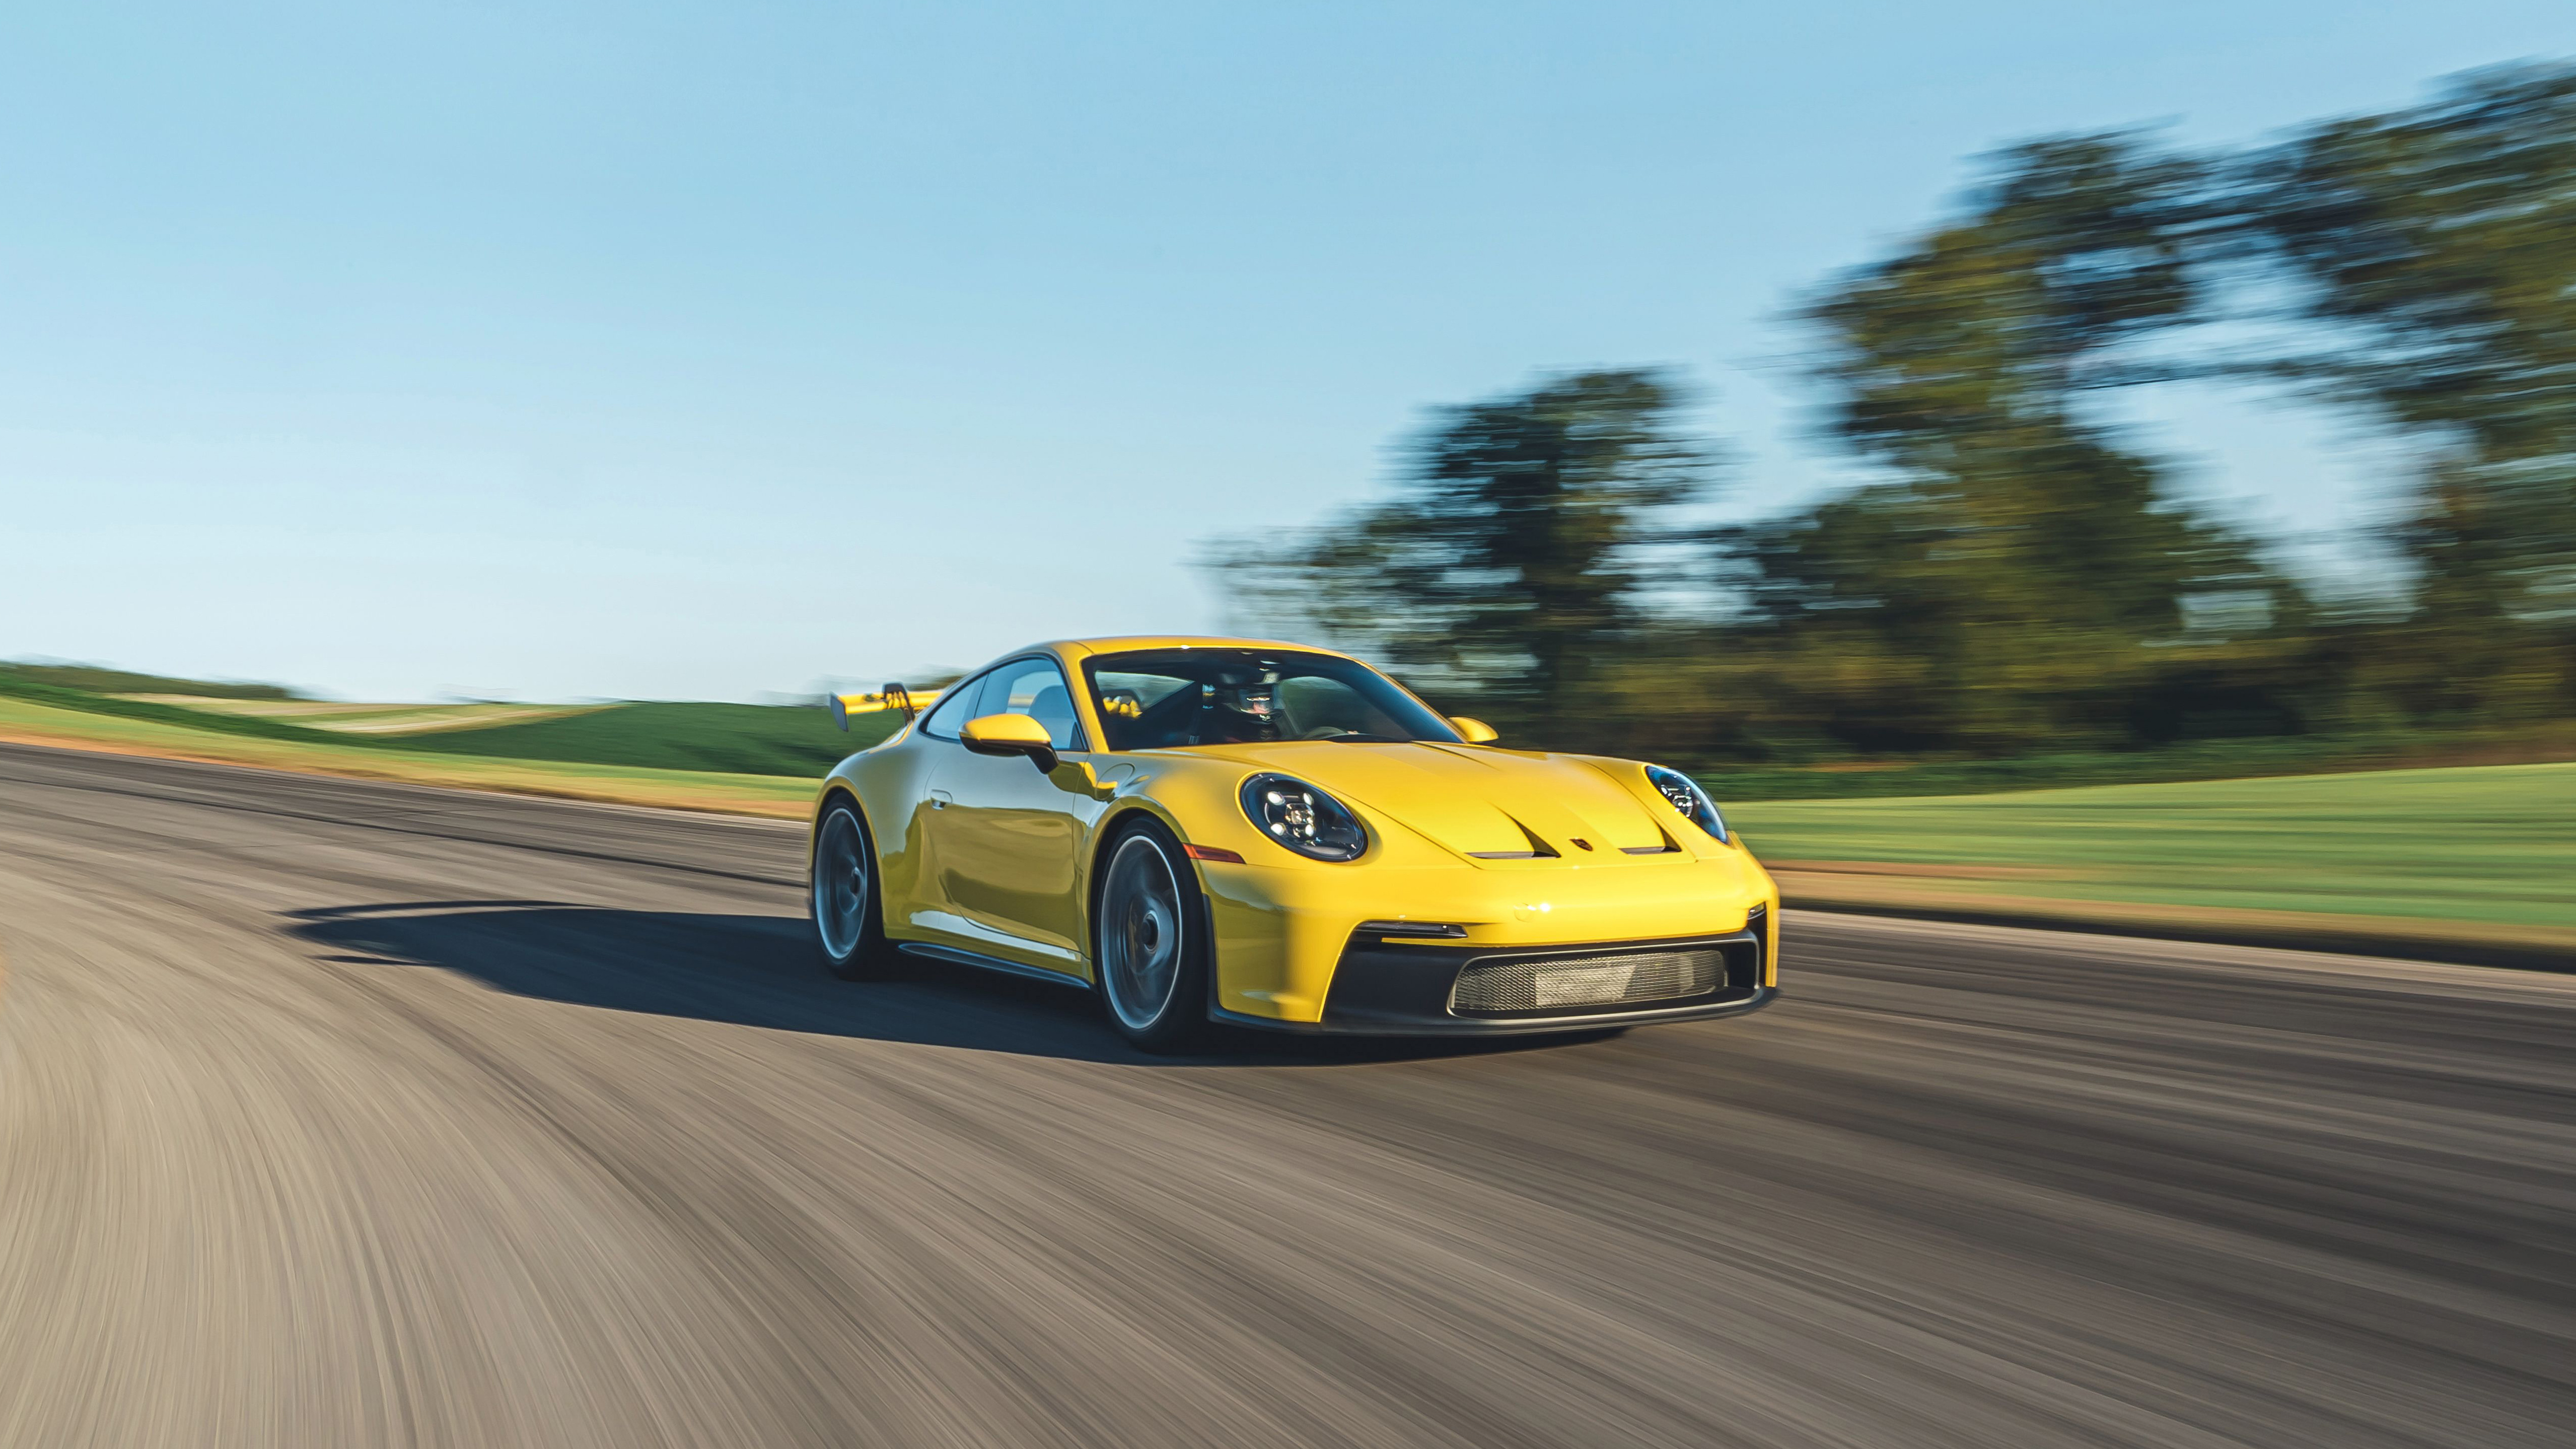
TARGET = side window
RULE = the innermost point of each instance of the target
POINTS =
(954, 708)
(1034, 687)
(1144, 711)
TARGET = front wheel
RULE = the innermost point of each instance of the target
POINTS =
(1150, 940)
(843, 898)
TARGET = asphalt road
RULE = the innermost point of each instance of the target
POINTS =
(340, 1114)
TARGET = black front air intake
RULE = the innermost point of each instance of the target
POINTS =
(1387, 983)
(1498, 986)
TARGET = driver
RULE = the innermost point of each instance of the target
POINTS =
(1240, 709)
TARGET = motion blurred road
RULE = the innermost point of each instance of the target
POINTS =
(345, 1114)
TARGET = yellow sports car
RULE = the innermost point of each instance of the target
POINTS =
(1277, 836)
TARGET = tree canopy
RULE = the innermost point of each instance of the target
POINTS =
(1506, 564)
(2023, 570)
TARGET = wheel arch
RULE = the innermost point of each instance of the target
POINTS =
(1200, 921)
(1113, 827)
(836, 789)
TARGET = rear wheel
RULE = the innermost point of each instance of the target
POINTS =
(843, 898)
(1149, 937)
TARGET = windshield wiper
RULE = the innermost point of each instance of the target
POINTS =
(1354, 737)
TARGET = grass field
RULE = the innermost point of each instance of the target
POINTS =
(369, 719)
(366, 758)
(2470, 862)
(2486, 853)
(2235, 759)
(789, 742)
(739, 739)
(736, 738)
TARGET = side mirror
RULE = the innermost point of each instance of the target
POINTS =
(1473, 731)
(1010, 734)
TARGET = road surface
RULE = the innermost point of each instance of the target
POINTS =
(344, 1114)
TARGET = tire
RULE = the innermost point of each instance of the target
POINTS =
(1149, 937)
(841, 896)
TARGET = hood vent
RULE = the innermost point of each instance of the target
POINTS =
(1538, 849)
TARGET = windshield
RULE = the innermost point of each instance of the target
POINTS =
(1160, 698)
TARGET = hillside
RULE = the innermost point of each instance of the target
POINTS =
(742, 739)
(93, 679)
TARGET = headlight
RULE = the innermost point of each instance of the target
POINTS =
(1688, 798)
(1303, 818)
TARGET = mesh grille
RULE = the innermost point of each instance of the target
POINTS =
(1570, 981)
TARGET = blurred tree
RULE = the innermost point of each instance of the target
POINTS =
(2025, 574)
(1506, 566)
(2438, 245)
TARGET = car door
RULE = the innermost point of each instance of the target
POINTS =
(908, 846)
(1006, 838)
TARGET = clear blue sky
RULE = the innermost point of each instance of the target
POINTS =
(659, 350)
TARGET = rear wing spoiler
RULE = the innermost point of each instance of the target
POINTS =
(894, 696)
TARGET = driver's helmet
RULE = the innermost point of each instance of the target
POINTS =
(1250, 694)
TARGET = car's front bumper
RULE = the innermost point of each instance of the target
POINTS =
(1732, 1005)
(1301, 949)
(1395, 987)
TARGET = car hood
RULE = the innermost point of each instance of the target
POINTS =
(1478, 802)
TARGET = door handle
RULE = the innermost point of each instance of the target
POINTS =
(941, 799)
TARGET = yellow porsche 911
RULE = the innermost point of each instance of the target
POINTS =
(1276, 836)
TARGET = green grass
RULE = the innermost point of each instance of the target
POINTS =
(747, 739)
(15, 684)
(763, 759)
(2494, 845)
(791, 742)
(2199, 760)
(2417, 858)
(315, 752)
(97, 680)
(369, 719)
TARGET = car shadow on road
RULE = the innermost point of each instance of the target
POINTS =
(763, 971)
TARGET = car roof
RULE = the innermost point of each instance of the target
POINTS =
(1122, 644)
